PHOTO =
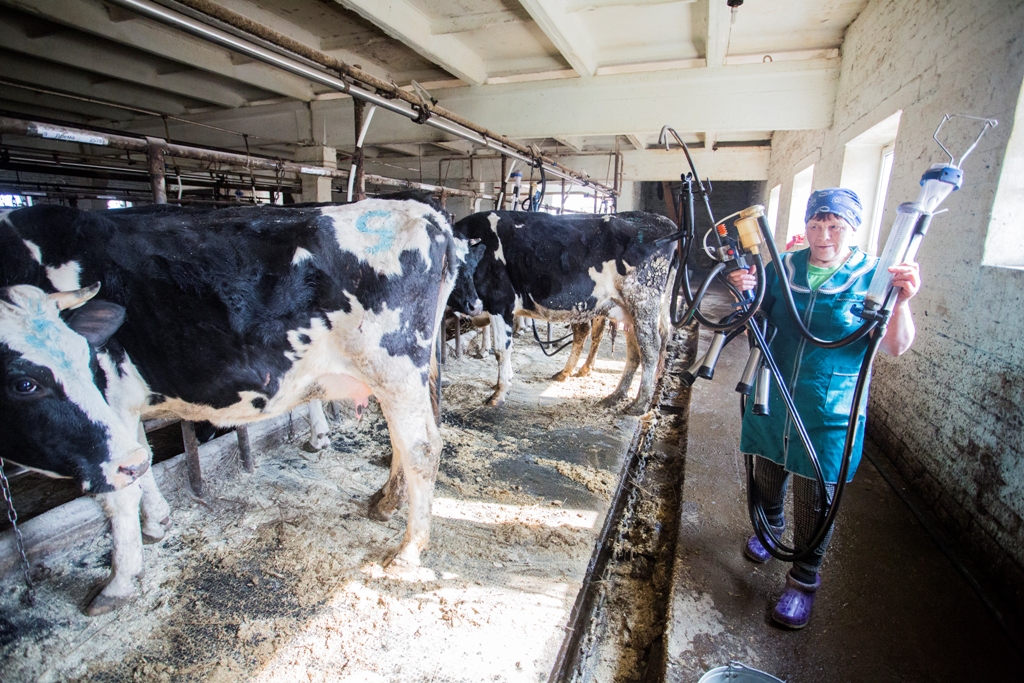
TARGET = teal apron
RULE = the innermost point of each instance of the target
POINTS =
(821, 381)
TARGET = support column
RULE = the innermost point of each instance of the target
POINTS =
(317, 188)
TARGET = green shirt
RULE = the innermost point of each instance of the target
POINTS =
(816, 276)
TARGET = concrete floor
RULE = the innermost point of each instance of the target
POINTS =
(891, 606)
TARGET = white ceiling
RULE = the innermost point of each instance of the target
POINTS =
(573, 76)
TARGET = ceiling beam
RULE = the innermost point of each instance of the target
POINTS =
(404, 22)
(653, 164)
(275, 22)
(474, 22)
(787, 96)
(568, 33)
(575, 144)
(91, 16)
(456, 146)
(635, 140)
(587, 5)
(716, 32)
(408, 150)
(100, 57)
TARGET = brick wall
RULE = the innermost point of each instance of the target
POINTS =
(948, 413)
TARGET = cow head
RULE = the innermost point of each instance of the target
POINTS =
(55, 417)
(464, 297)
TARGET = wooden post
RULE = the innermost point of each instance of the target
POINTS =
(458, 337)
(359, 193)
(155, 155)
(244, 449)
(504, 184)
(443, 342)
(195, 473)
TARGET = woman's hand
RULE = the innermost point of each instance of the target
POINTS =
(743, 280)
(906, 278)
(899, 335)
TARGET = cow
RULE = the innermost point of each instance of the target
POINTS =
(572, 269)
(580, 331)
(227, 315)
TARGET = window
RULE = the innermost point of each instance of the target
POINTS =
(118, 204)
(1004, 244)
(867, 165)
(802, 183)
(875, 226)
(13, 201)
(773, 207)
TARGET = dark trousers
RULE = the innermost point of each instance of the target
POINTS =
(771, 480)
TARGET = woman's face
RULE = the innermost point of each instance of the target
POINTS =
(826, 238)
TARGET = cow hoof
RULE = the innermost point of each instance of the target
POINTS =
(583, 372)
(560, 376)
(98, 603)
(150, 539)
(317, 444)
(165, 523)
(609, 401)
(103, 604)
(495, 400)
(406, 558)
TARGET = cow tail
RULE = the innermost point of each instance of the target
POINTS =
(665, 315)
(449, 270)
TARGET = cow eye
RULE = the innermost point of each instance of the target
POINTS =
(24, 386)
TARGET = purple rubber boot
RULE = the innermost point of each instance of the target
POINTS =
(793, 609)
(755, 552)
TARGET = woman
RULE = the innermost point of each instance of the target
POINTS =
(827, 279)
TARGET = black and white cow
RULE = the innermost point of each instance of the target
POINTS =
(574, 268)
(226, 315)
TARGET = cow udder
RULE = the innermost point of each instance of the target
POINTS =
(346, 387)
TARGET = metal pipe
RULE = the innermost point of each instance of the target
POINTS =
(133, 144)
(419, 110)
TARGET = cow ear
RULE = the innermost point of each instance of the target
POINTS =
(97, 321)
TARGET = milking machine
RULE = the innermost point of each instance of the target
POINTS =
(737, 242)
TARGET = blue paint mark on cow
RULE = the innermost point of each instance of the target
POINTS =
(380, 227)
(42, 335)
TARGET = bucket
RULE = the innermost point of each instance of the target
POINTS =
(734, 672)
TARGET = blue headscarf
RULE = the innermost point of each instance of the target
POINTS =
(838, 200)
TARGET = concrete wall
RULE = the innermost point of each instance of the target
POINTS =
(949, 412)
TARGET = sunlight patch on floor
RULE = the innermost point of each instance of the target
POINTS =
(497, 513)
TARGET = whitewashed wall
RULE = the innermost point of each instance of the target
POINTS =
(949, 412)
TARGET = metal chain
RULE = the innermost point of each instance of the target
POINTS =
(29, 598)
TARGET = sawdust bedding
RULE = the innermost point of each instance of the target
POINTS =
(277, 576)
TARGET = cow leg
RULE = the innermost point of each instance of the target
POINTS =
(319, 430)
(503, 349)
(646, 319)
(632, 363)
(391, 496)
(580, 331)
(595, 343)
(122, 509)
(416, 443)
(155, 510)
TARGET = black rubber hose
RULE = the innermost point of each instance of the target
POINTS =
(829, 509)
(545, 344)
